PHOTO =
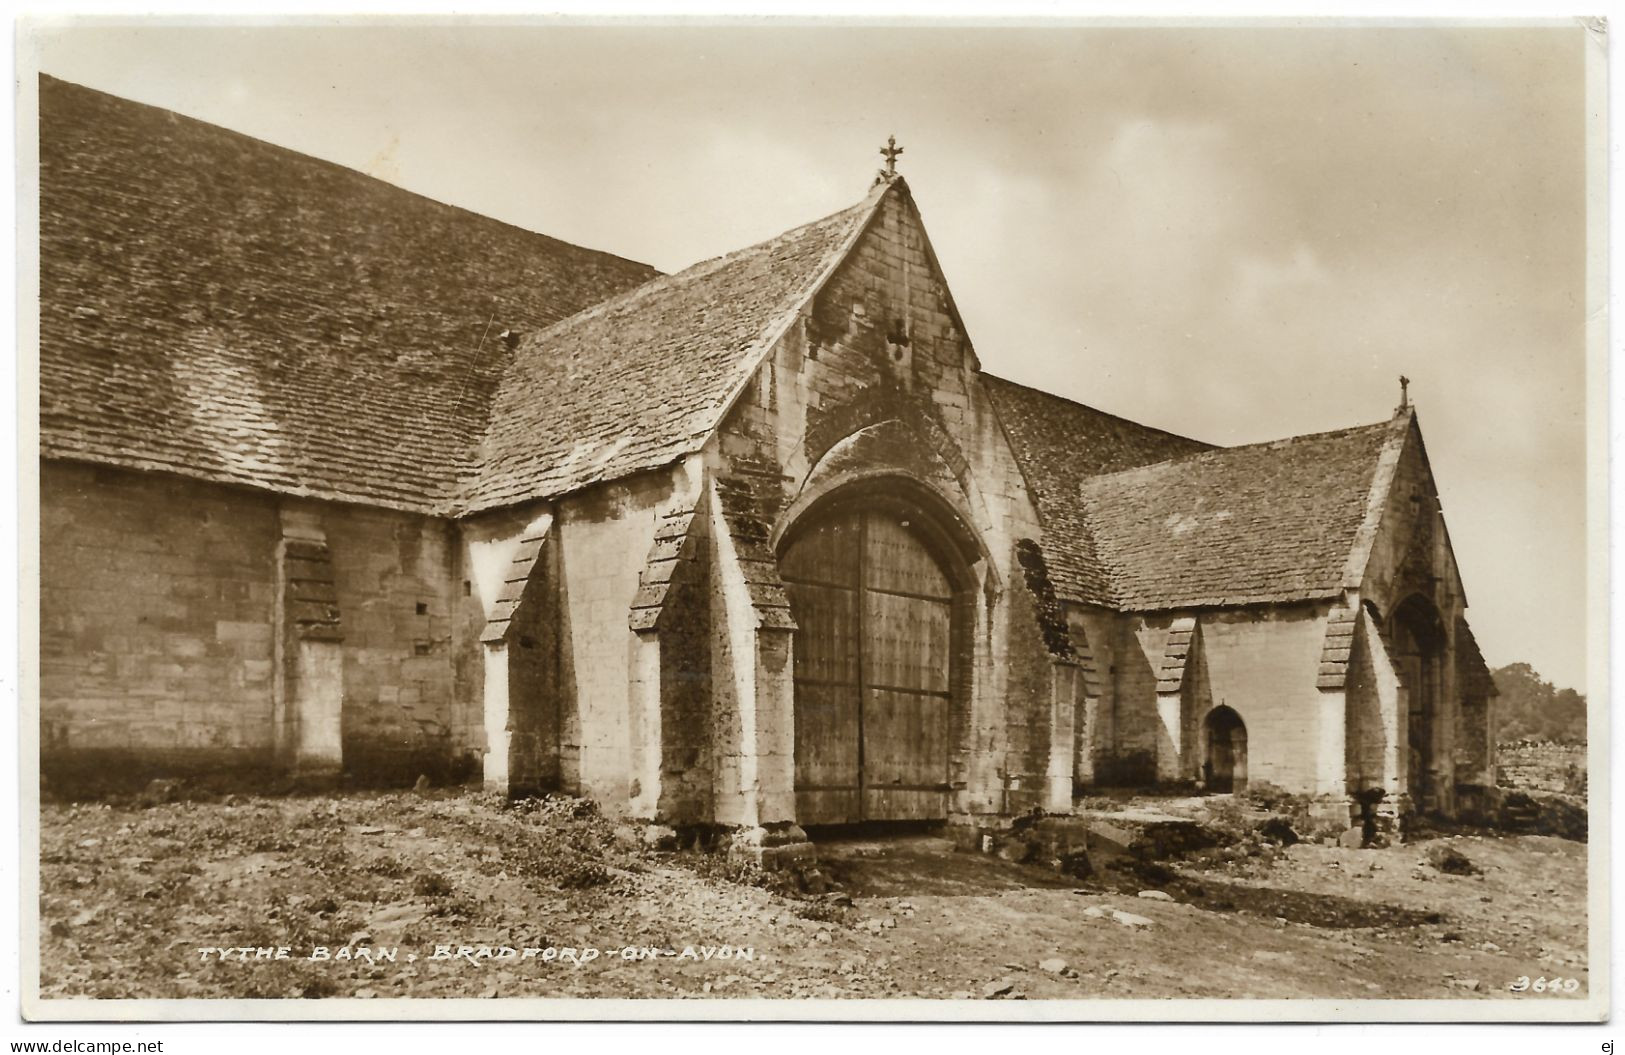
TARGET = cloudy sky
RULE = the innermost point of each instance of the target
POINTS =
(1236, 234)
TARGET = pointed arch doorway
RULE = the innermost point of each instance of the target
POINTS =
(1224, 770)
(1417, 633)
(877, 588)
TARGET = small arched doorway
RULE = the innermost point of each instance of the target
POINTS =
(1418, 637)
(878, 587)
(1225, 768)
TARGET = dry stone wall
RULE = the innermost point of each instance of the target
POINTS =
(1541, 765)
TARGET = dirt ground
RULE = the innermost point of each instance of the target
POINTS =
(235, 898)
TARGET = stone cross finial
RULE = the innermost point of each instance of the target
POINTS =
(891, 151)
(1404, 391)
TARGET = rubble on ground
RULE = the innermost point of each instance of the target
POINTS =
(1449, 860)
(128, 894)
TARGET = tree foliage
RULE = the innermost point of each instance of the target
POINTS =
(1531, 707)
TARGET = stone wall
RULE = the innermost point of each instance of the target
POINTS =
(1139, 733)
(1410, 552)
(509, 562)
(1541, 765)
(1196, 700)
(536, 693)
(1122, 740)
(1372, 693)
(1410, 557)
(687, 706)
(1261, 662)
(156, 608)
(403, 717)
(604, 535)
(159, 632)
(1025, 685)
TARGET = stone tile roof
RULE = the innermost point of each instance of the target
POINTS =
(1176, 655)
(677, 553)
(516, 579)
(1260, 524)
(1139, 519)
(1060, 444)
(214, 305)
(1336, 648)
(643, 378)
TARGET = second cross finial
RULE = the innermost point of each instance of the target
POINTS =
(891, 151)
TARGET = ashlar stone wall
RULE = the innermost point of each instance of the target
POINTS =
(1260, 662)
(198, 628)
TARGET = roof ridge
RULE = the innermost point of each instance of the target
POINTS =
(1302, 507)
(781, 322)
(1096, 410)
(700, 312)
(1218, 452)
(1282, 441)
(347, 170)
(692, 273)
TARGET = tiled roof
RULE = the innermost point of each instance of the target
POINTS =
(1140, 519)
(214, 305)
(1176, 655)
(1265, 523)
(1060, 444)
(642, 379)
(1336, 648)
(516, 578)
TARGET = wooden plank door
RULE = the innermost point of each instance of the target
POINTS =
(872, 671)
(907, 621)
(820, 572)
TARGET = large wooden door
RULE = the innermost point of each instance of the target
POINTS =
(872, 670)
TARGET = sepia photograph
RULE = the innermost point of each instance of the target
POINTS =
(928, 520)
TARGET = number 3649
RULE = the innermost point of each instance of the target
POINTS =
(1525, 984)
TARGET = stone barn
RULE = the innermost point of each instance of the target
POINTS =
(340, 482)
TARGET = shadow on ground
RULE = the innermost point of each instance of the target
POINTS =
(1330, 911)
(904, 864)
(891, 864)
